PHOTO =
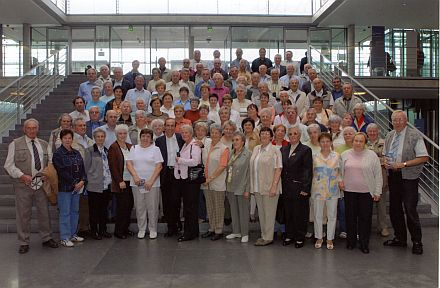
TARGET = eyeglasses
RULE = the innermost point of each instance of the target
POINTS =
(93, 112)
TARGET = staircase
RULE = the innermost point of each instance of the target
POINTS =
(60, 101)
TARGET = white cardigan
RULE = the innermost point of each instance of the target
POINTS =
(372, 170)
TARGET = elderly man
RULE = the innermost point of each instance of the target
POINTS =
(184, 80)
(288, 61)
(262, 70)
(219, 88)
(262, 60)
(94, 121)
(206, 79)
(242, 80)
(26, 160)
(307, 86)
(211, 64)
(186, 64)
(138, 91)
(296, 96)
(197, 59)
(346, 103)
(277, 65)
(405, 153)
(120, 80)
(104, 74)
(79, 111)
(255, 80)
(291, 119)
(218, 69)
(321, 92)
(135, 130)
(174, 85)
(131, 76)
(109, 128)
(236, 61)
(231, 83)
(125, 117)
(263, 87)
(197, 77)
(310, 117)
(107, 93)
(291, 74)
(243, 72)
(85, 88)
(164, 71)
(81, 142)
(274, 83)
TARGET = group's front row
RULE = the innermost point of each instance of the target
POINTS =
(288, 184)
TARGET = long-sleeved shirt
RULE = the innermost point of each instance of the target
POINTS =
(190, 156)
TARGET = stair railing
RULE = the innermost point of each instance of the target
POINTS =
(379, 110)
(20, 96)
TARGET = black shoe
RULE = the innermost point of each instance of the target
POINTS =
(208, 234)
(184, 238)
(120, 236)
(417, 248)
(299, 244)
(50, 243)
(216, 237)
(96, 236)
(350, 247)
(84, 233)
(365, 249)
(179, 226)
(394, 243)
(228, 221)
(130, 233)
(23, 249)
(105, 234)
(287, 242)
(170, 234)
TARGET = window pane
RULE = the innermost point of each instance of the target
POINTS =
(288, 7)
(92, 6)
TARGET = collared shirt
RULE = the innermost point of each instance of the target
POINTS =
(82, 140)
(337, 94)
(220, 92)
(106, 98)
(275, 87)
(100, 104)
(172, 149)
(420, 148)
(286, 79)
(174, 88)
(197, 92)
(265, 78)
(85, 89)
(110, 136)
(170, 111)
(190, 85)
(236, 63)
(105, 167)
(190, 156)
(292, 148)
(134, 93)
(278, 163)
(197, 79)
(118, 83)
(10, 167)
(186, 104)
(76, 114)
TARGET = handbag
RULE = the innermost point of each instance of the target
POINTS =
(196, 174)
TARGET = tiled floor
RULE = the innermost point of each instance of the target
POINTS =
(203, 263)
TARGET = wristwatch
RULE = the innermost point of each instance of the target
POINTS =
(405, 164)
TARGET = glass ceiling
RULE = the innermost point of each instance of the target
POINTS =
(197, 7)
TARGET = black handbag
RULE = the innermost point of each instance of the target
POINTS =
(196, 174)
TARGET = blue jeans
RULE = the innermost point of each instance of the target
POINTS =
(341, 215)
(68, 204)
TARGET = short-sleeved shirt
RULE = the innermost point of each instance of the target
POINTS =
(144, 162)
(419, 149)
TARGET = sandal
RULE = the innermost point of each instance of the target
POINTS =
(318, 243)
(330, 245)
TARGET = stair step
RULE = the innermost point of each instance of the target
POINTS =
(9, 212)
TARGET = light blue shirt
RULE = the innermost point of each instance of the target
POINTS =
(100, 104)
(186, 105)
(134, 93)
(85, 89)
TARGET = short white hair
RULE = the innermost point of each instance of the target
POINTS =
(187, 128)
(121, 127)
(313, 126)
(372, 126)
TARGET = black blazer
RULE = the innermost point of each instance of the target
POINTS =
(161, 142)
(126, 85)
(283, 70)
(297, 172)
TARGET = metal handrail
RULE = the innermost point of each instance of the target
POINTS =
(22, 94)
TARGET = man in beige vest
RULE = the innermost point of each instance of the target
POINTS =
(27, 157)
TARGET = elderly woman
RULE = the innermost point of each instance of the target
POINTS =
(203, 116)
(296, 182)
(99, 180)
(115, 104)
(215, 159)
(168, 107)
(325, 190)
(229, 128)
(347, 120)
(189, 156)
(264, 104)
(179, 111)
(314, 131)
(279, 136)
(334, 127)
(160, 89)
(214, 108)
(224, 115)
(158, 126)
(362, 184)
(107, 92)
(156, 77)
(144, 163)
(117, 153)
(252, 112)
(240, 104)
(322, 115)
(361, 120)
(156, 113)
(238, 187)
(71, 180)
(376, 144)
(135, 130)
(64, 122)
(266, 120)
(96, 95)
(204, 91)
(252, 139)
(265, 172)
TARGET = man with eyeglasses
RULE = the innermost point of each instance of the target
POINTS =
(26, 160)
(94, 121)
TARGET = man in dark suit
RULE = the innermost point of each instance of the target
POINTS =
(277, 65)
(94, 122)
(119, 80)
(169, 145)
(296, 180)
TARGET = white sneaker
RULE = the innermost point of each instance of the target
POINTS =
(245, 239)
(309, 235)
(232, 236)
(343, 235)
(153, 235)
(67, 243)
(76, 238)
(141, 235)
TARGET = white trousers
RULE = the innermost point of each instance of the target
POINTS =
(147, 208)
(319, 208)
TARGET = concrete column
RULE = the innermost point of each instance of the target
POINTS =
(411, 53)
(1, 51)
(190, 43)
(27, 55)
(350, 49)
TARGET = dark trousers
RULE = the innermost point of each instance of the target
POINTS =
(202, 206)
(98, 203)
(170, 199)
(404, 192)
(124, 205)
(190, 194)
(358, 213)
(296, 213)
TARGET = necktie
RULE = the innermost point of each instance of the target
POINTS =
(395, 146)
(36, 156)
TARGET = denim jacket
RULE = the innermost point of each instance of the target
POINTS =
(70, 168)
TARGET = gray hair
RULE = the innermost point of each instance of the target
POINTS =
(293, 107)
(61, 117)
(140, 113)
(96, 88)
(348, 128)
(157, 121)
(372, 126)
(266, 111)
(187, 128)
(201, 124)
(34, 121)
(396, 112)
(75, 122)
(139, 99)
(241, 135)
(224, 108)
(313, 126)
(121, 127)
(217, 127)
(98, 130)
(334, 118)
(296, 128)
(230, 123)
(359, 106)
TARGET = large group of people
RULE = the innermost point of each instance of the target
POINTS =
(256, 141)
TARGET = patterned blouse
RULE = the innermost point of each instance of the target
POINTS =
(326, 176)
